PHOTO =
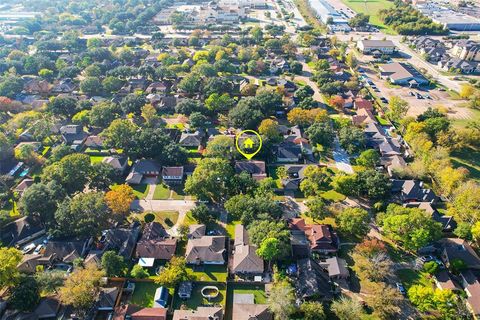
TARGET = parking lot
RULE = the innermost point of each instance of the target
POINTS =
(419, 99)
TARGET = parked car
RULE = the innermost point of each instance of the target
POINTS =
(411, 93)
(427, 258)
(384, 100)
(39, 248)
(401, 288)
(28, 248)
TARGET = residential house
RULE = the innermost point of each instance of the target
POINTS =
(202, 313)
(143, 168)
(94, 142)
(322, 239)
(155, 243)
(73, 135)
(448, 222)
(402, 74)
(372, 46)
(172, 175)
(48, 308)
(196, 231)
(467, 50)
(66, 85)
(245, 259)
(361, 103)
(66, 251)
(24, 185)
(37, 86)
(443, 281)
(456, 64)
(121, 240)
(471, 286)
(289, 152)
(456, 248)
(363, 117)
(295, 175)
(206, 250)
(336, 267)
(21, 231)
(166, 102)
(133, 312)
(411, 191)
(119, 163)
(256, 169)
(107, 299)
(393, 164)
(244, 308)
(157, 87)
(30, 262)
(188, 139)
(311, 281)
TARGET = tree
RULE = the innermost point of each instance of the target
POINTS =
(86, 214)
(270, 130)
(359, 20)
(320, 133)
(352, 139)
(246, 114)
(40, 200)
(347, 309)
(188, 106)
(50, 281)
(316, 179)
(316, 209)
(81, 288)
(386, 304)
(65, 106)
(369, 158)
(466, 91)
(219, 102)
(337, 102)
(373, 184)
(281, 300)
(91, 86)
(71, 172)
(133, 103)
(210, 179)
(113, 264)
(249, 208)
(119, 199)
(112, 84)
(103, 113)
(138, 272)
(25, 295)
(398, 108)
(465, 205)
(372, 262)
(270, 249)
(198, 120)
(190, 84)
(26, 153)
(119, 134)
(202, 214)
(412, 227)
(101, 176)
(312, 310)
(174, 272)
(9, 259)
(353, 221)
(430, 267)
(351, 61)
(220, 147)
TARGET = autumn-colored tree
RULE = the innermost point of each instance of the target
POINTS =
(270, 129)
(337, 102)
(82, 287)
(9, 259)
(466, 91)
(174, 272)
(119, 199)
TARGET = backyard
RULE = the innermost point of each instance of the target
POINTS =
(197, 300)
(258, 292)
(209, 273)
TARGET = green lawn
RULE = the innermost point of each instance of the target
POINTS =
(140, 190)
(161, 192)
(231, 228)
(167, 218)
(197, 300)
(383, 122)
(144, 294)
(371, 7)
(96, 159)
(257, 290)
(410, 277)
(209, 273)
(468, 158)
(333, 195)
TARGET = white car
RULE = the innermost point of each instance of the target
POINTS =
(28, 248)
(38, 249)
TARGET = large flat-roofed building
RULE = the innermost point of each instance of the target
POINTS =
(372, 46)
(402, 74)
(451, 19)
(329, 15)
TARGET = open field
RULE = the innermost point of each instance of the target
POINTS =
(370, 7)
(468, 158)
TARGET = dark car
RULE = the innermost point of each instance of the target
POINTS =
(401, 288)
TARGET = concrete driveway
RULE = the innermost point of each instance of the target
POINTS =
(342, 160)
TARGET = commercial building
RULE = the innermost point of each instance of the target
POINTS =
(376, 46)
(449, 18)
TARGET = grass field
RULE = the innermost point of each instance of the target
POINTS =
(161, 192)
(371, 7)
(411, 277)
(167, 218)
(468, 158)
